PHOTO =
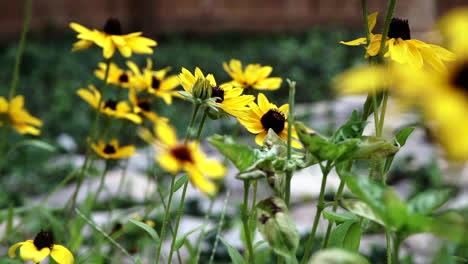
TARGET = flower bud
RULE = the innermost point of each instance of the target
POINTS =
(277, 227)
(202, 89)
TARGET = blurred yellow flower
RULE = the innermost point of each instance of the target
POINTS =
(116, 75)
(175, 157)
(401, 48)
(112, 150)
(454, 26)
(260, 118)
(142, 106)
(109, 107)
(253, 76)
(13, 114)
(42, 246)
(155, 82)
(111, 38)
(228, 98)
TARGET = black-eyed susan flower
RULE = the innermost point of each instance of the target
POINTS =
(441, 96)
(454, 27)
(402, 48)
(175, 157)
(42, 246)
(116, 75)
(155, 82)
(225, 96)
(264, 116)
(113, 150)
(143, 106)
(109, 107)
(111, 38)
(253, 76)
(13, 114)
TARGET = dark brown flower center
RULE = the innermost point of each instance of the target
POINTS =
(113, 27)
(144, 104)
(112, 104)
(182, 153)
(273, 119)
(123, 78)
(216, 91)
(460, 77)
(109, 149)
(399, 28)
(155, 83)
(44, 240)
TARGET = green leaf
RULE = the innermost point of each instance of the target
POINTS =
(181, 240)
(180, 182)
(370, 147)
(362, 209)
(277, 227)
(337, 256)
(233, 253)
(396, 209)
(429, 201)
(340, 217)
(369, 191)
(352, 238)
(451, 225)
(353, 128)
(443, 256)
(368, 107)
(402, 135)
(241, 156)
(338, 234)
(153, 234)
(36, 143)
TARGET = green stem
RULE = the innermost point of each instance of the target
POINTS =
(250, 257)
(200, 126)
(101, 182)
(166, 218)
(366, 20)
(289, 173)
(19, 54)
(396, 249)
(320, 206)
(388, 19)
(202, 234)
(335, 206)
(81, 176)
(252, 219)
(220, 226)
(192, 121)
(388, 238)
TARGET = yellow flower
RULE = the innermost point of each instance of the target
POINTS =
(155, 82)
(175, 157)
(401, 48)
(116, 75)
(111, 38)
(13, 114)
(110, 107)
(112, 150)
(228, 98)
(143, 106)
(260, 118)
(253, 76)
(454, 25)
(38, 249)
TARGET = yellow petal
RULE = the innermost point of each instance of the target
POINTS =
(372, 20)
(202, 183)
(29, 252)
(356, 42)
(12, 249)
(61, 255)
(260, 137)
(361, 80)
(166, 134)
(168, 162)
(269, 84)
(3, 105)
(263, 103)
(213, 168)
(108, 48)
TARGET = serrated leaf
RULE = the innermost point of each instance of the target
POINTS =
(337, 256)
(340, 217)
(233, 253)
(428, 201)
(181, 240)
(353, 128)
(362, 209)
(180, 182)
(148, 229)
(241, 156)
